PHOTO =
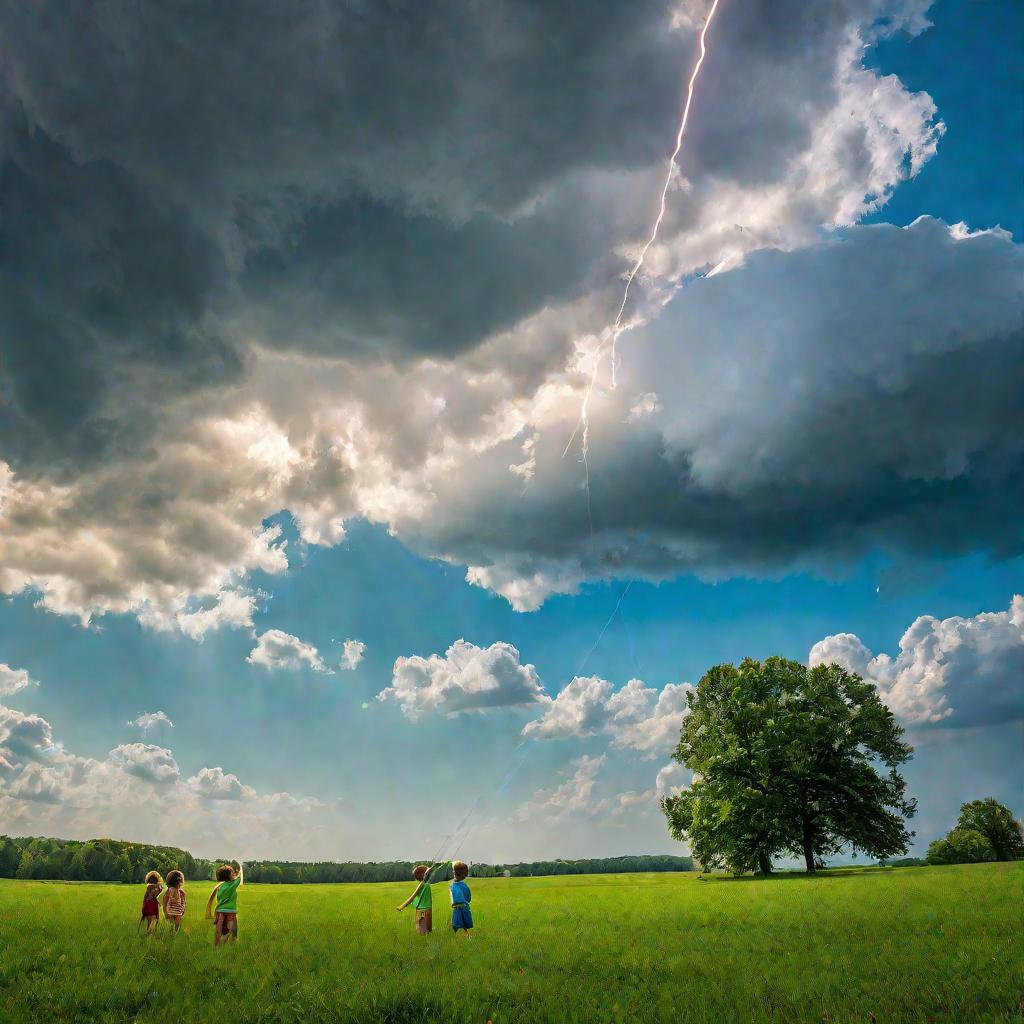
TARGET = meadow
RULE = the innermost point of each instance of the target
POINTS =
(893, 946)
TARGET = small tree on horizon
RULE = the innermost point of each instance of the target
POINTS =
(961, 846)
(997, 824)
(787, 758)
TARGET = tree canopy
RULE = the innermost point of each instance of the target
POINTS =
(996, 823)
(961, 846)
(789, 759)
(985, 830)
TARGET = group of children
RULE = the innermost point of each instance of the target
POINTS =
(422, 900)
(225, 892)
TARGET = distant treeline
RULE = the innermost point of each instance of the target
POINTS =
(94, 860)
(400, 871)
(112, 860)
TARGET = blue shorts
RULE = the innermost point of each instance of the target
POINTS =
(461, 918)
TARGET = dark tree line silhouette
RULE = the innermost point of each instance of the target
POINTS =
(113, 860)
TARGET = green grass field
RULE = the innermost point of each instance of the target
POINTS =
(906, 945)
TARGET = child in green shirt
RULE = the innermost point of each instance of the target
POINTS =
(226, 894)
(421, 900)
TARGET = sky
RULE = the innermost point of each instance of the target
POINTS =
(299, 553)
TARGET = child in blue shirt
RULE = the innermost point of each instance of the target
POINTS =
(462, 917)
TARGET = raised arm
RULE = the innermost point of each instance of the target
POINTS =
(415, 893)
(440, 864)
(241, 874)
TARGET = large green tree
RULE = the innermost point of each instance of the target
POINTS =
(843, 748)
(789, 759)
(734, 813)
(996, 823)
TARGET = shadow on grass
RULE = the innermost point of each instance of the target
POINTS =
(785, 876)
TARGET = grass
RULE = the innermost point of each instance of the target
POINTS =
(892, 946)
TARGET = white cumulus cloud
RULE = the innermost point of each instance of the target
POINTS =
(23, 737)
(956, 671)
(574, 796)
(146, 761)
(352, 653)
(217, 784)
(672, 779)
(150, 721)
(276, 649)
(466, 678)
(45, 789)
(637, 717)
(12, 680)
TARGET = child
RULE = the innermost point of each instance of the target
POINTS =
(421, 900)
(174, 899)
(462, 917)
(226, 892)
(150, 906)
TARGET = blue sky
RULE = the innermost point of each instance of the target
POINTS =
(644, 595)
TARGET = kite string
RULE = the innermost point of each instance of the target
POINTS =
(450, 841)
(465, 827)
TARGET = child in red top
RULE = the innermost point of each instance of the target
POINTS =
(150, 901)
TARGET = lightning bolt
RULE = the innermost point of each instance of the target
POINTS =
(612, 332)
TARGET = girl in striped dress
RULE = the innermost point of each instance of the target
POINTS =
(174, 899)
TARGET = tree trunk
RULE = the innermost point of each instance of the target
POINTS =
(809, 847)
(764, 863)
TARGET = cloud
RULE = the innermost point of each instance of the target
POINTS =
(467, 678)
(24, 737)
(13, 679)
(297, 306)
(40, 784)
(352, 655)
(216, 784)
(231, 608)
(646, 405)
(870, 402)
(572, 797)
(47, 789)
(151, 721)
(90, 547)
(636, 717)
(146, 761)
(672, 779)
(276, 649)
(957, 672)
(310, 207)
(577, 797)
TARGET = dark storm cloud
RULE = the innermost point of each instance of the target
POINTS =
(377, 178)
(140, 138)
(452, 103)
(104, 299)
(813, 404)
(364, 277)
